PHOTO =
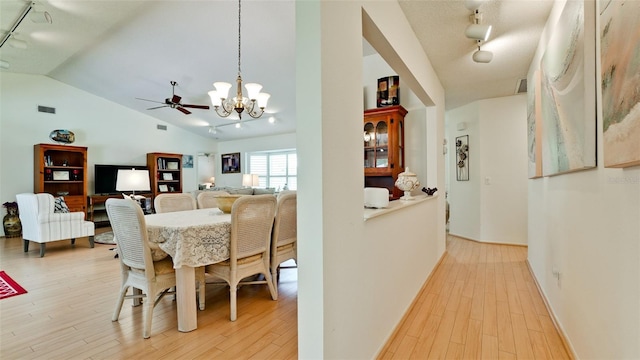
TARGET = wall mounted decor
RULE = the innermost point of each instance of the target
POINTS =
(620, 59)
(462, 158)
(388, 91)
(231, 163)
(187, 161)
(568, 94)
(534, 126)
(62, 136)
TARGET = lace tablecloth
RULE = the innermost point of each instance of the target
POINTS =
(193, 238)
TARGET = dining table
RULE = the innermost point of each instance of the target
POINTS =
(192, 238)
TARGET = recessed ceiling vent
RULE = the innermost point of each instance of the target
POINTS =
(161, 127)
(46, 109)
(521, 86)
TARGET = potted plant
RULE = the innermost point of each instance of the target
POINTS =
(11, 221)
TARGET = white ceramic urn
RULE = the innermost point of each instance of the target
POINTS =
(406, 182)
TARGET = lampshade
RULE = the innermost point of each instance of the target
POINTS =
(222, 88)
(482, 56)
(215, 99)
(253, 90)
(478, 32)
(132, 180)
(250, 180)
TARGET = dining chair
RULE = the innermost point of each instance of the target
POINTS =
(148, 278)
(250, 242)
(284, 239)
(207, 199)
(164, 203)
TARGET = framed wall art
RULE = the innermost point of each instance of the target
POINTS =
(230, 163)
(462, 158)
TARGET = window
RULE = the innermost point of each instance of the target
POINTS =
(276, 169)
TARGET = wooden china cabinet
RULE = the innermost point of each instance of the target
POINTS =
(61, 170)
(384, 147)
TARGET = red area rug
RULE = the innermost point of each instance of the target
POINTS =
(8, 287)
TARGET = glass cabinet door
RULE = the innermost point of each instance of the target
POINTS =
(369, 146)
(382, 141)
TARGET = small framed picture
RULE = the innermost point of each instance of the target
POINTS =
(163, 188)
(167, 176)
(172, 165)
(61, 175)
(231, 163)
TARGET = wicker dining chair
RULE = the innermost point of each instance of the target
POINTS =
(164, 203)
(250, 243)
(284, 240)
(150, 279)
(207, 199)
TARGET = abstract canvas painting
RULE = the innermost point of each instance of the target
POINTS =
(568, 96)
(620, 59)
(534, 126)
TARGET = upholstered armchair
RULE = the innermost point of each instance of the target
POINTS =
(42, 225)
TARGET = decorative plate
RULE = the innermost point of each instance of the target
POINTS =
(62, 136)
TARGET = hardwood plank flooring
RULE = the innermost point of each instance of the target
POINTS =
(72, 292)
(481, 302)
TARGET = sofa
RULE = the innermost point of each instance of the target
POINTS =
(235, 190)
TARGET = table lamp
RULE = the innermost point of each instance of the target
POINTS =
(132, 180)
(250, 180)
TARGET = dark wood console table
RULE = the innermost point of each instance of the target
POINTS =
(99, 200)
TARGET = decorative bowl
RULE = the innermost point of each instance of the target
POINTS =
(225, 202)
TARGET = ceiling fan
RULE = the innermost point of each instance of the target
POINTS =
(174, 102)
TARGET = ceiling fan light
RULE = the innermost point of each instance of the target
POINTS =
(222, 88)
(253, 90)
(482, 56)
(478, 32)
(263, 98)
(215, 98)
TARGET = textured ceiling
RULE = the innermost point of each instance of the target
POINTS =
(123, 50)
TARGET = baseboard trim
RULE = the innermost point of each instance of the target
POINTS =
(552, 315)
(411, 307)
(488, 242)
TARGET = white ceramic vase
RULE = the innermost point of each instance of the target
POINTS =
(406, 182)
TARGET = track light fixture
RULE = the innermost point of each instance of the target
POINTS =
(477, 31)
(481, 56)
(10, 36)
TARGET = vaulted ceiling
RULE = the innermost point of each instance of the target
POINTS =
(124, 50)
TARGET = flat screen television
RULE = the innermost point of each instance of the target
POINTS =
(105, 177)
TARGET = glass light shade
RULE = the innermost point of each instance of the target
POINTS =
(253, 90)
(263, 98)
(478, 32)
(215, 99)
(247, 180)
(222, 88)
(132, 180)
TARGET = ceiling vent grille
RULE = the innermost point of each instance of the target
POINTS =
(521, 86)
(161, 127)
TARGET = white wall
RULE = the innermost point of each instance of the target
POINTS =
(492, 205)
(587, 226)
(345, 310)
(113, 134)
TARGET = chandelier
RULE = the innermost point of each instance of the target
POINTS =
(254, 103)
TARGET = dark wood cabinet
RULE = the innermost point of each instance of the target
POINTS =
(384, 147)
(61, 170)
(165, 172)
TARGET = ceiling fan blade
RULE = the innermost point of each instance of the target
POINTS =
(176, 99)
(159, 102)
(158, 107)
(185, 111)
(206, 107)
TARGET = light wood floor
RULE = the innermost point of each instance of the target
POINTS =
(481, 302)
(66, 313)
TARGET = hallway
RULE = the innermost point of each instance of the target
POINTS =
(481, 302)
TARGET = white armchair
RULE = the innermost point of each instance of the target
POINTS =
(40, 224)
